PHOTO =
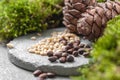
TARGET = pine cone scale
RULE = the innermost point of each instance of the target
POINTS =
(74, 13)
(79, 6)
(75, 1)
(89, 20)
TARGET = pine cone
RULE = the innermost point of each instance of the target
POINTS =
(72, 12)
(94, 20)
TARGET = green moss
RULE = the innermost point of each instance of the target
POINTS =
(19, 17)
(106, 55)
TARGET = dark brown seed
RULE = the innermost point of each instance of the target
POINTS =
(62, 59)
(52, 59)
(76, 47)
(70, 51)
(70, 44)
(87, 46)
(70, 58)
(40, 78)
(50, 75)
(50, 53)
(62, 39)
(82, 45)
(75, 53)
(77, 41)
(43, 75)
(64, 49)
(75, 44)
(68, 47)
(64, 54)
(37, 73)
(81, 51)
(86, 54)
(58, 54)
(64, 42)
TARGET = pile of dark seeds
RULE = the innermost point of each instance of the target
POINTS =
(43, 75)
(71, 50)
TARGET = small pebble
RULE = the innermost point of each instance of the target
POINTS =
(70, 58)
(37, 73)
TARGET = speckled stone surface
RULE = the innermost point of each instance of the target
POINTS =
(8, 71)
(22, 58)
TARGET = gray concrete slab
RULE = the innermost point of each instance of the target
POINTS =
(8, 71)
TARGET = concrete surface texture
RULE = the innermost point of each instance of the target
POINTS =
(8, 71)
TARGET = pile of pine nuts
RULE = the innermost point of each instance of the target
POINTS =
(55, 43)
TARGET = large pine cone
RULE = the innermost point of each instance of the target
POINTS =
(88, 21)
(94, 20)
(72, 12)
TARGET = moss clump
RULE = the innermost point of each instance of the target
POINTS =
(19, 17)
(106, 55)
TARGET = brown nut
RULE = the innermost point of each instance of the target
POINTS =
(64, 54)
(76, 47)
(52, 59)
(68, 47)
(70, 51)
(75, 44)
(40, 78)
(82, 45)
(70, 44)
(77, 41)
(75, 53)
(50, 75)
(87, 46)
(43, 75)
(64, 41)
(86, 54)
(62, 59)
(37, 73)
(50, 53)
(70, 58)
(81, 51)
(58, 54)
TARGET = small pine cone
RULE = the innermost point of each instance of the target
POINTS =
(94, 20)
(72, 12)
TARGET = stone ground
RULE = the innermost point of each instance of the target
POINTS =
(8, 71)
